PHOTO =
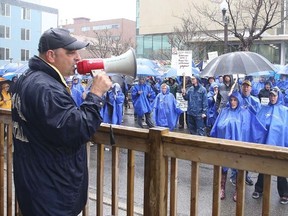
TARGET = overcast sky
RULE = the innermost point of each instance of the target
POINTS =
(95, 10)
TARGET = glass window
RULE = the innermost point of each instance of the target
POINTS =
(115, 26)
(4, 9)
(24, 55)
(2, 53)
(27, 55)
(157, 42)
(26, 13)
(85, 28)
(140, 47)
(25, 34)
(148, 47)
(7, 32)
(7, 52)
(2, 31)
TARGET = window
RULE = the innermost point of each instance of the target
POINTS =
(103, 27)
(85, 28)
(26, 14)
(4, 53)
(4, 9)
(116, 26)
(25, 34)
(24, 55)
(7, 52)
(4, 31)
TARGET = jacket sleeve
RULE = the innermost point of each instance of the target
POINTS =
(53, 114)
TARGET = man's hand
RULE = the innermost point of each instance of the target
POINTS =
(101, 84)
(183, 91)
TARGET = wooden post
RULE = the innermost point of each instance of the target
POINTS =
(1, 169)
(216, 190)
(157, 204)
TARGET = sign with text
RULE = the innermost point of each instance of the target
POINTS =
(182, 61)
(181, 102)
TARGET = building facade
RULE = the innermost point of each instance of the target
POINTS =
(156, 20)
(120, 30)
(21, 26)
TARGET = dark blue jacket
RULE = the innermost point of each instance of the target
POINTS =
(197, 100)
(49, 135)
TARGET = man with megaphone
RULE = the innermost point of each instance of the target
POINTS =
(50, 132)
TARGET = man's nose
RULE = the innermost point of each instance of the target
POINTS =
(77, 56)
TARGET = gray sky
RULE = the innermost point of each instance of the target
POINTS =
(93, 9)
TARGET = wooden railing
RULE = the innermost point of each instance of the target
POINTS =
(162, 150)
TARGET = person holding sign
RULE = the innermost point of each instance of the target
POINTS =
(264, 93)
(196, 96)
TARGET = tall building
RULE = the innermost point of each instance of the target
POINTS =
(156, 20)
(21, 26)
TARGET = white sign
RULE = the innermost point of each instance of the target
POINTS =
(264, 100)
(182, 61)
(182, 104)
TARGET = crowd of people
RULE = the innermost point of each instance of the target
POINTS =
(221, 107)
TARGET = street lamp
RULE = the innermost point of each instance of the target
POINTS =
(224, 7)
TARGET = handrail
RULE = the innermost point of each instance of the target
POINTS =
(162, 150)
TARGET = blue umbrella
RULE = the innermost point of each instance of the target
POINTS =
(18, 72)
(10, 67)
(147, 62)
(144, 70)
(278, 67)
(283, 70)
(22, 68)
(10, 75)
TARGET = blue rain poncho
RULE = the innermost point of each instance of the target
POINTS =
(166, 112)
(142, 102)
(275, 118)
(238, 124)
(212, 106)
(112, 111)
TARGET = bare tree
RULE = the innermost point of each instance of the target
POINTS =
(188, 37)
(249, 19)
(105, 44)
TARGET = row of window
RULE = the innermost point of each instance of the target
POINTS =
(5, 54)
(100, 27)
(5, 32)
(5, 10)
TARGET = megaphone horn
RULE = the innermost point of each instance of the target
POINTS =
(124, 64)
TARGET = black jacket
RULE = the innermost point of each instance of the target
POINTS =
(50, 133)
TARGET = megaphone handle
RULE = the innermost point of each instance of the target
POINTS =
(95, 72)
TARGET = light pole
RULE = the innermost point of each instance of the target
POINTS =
(224, 7)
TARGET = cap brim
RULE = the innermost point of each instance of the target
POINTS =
(76, 45)
(246, 84)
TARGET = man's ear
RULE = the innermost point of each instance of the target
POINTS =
(50, 56)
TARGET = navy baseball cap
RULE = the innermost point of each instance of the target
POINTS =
(55, 38)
